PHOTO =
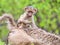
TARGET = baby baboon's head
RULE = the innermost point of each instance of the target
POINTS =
(30, 10)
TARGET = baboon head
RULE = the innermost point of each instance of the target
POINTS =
(30, 10)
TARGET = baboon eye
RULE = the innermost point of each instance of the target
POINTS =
(30, 12)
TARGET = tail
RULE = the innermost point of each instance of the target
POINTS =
(10, 21)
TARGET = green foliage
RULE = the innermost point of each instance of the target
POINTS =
(1, 43)
(47, 17)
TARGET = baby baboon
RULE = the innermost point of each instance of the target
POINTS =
(27, 19)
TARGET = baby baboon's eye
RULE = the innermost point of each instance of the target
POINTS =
(30, 12)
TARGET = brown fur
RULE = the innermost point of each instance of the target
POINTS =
(17, 36)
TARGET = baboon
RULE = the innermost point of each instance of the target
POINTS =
(27, 19)
(35, 32)
(17, 37)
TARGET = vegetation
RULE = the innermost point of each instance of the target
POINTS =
(47, 17)
(1, 43)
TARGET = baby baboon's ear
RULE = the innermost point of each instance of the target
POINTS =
(25, 9)
(35, 10)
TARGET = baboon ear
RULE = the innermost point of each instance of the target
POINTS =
(35, 10)
(25, 8)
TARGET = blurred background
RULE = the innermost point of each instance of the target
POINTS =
(47, 17)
